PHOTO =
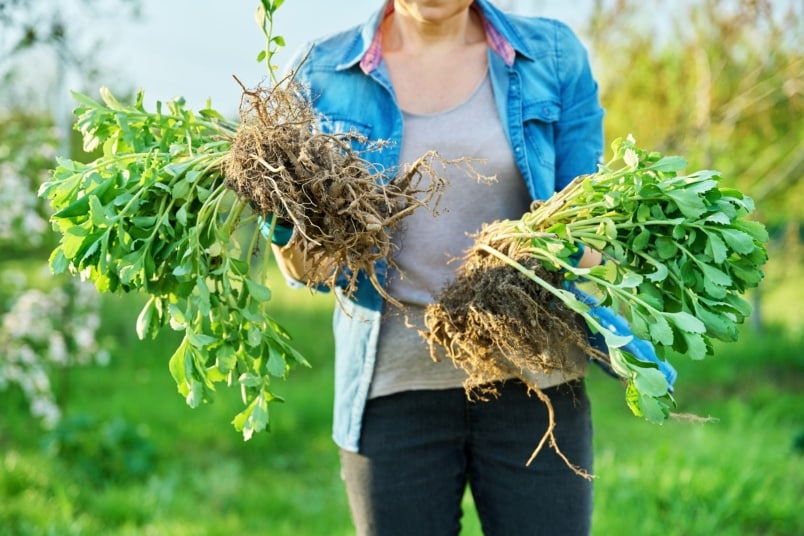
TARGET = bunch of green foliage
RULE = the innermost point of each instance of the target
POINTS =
(153, 214)
(680, 253)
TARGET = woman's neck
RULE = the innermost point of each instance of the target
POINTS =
(413, 31)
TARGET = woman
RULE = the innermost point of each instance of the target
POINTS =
(465, 79)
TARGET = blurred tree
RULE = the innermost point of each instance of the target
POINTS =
(46, 324)
(719, 82)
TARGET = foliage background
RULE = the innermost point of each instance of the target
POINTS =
(110, 448)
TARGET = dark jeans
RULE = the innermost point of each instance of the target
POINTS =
(420, 448)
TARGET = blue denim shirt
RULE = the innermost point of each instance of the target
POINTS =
(548, 103)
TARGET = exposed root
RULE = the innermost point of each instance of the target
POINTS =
(549, 436)
(691, 417)
(495, 322)
(343, 207)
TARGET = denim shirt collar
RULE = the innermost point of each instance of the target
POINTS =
(366, 50)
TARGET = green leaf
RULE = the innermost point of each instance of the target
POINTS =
(654, 410)
(715, 275)
(713, 289)
(84, 99)
(109, 98)
(239, 266)
(257, 291)
(689, 203)
(641, 241)
(718, 217)
(148, 321)
(77, 208)
(631, 158)
(200, 340)
(252, 419)
(660, 330)
(754, 228)
(176, 169)
(202, 299)
(132, 267)
(718, 325)
(639, 324)
(650, 381)
(253, 313)
(739, 241)
(181, 215)
(72, 240)
(249, 379)
(195, 396)
(97, 212)
(215, 375)
(254, 336)
(57, 261)
(619, 363)
(686, 322)
(186, 268)
(631, 280)
(643, 212)
(747, 273)
(178, 366)
(226, 358)
(614, 340)
(178, 318)
(661, 272)
(666, 248)
(651, 295)
(181, 189)
(601, 271)
(679, 232)
(611, 229)
(276, 364)
(716, 248)
(202, 193)
(668, 164)
(144, 222)
(296, 355)
(632, 398)
(696, 345)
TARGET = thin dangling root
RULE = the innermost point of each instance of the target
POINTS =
(549, 435)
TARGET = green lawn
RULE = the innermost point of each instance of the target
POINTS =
(137, 460)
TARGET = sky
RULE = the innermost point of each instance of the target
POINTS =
(193, 48)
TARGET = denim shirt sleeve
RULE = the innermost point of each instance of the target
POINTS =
(579, 130)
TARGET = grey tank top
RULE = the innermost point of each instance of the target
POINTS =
(430, 247)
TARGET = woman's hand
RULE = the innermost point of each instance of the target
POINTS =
(590, 258)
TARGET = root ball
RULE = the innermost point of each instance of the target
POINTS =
(342, 207)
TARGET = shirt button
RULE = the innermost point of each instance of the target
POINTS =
(518, 149)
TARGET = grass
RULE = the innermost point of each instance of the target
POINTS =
(742, 474)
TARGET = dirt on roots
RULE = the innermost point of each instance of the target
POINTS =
(342, 207)
(495, 322)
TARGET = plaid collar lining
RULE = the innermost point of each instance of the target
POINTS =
(499, 44)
